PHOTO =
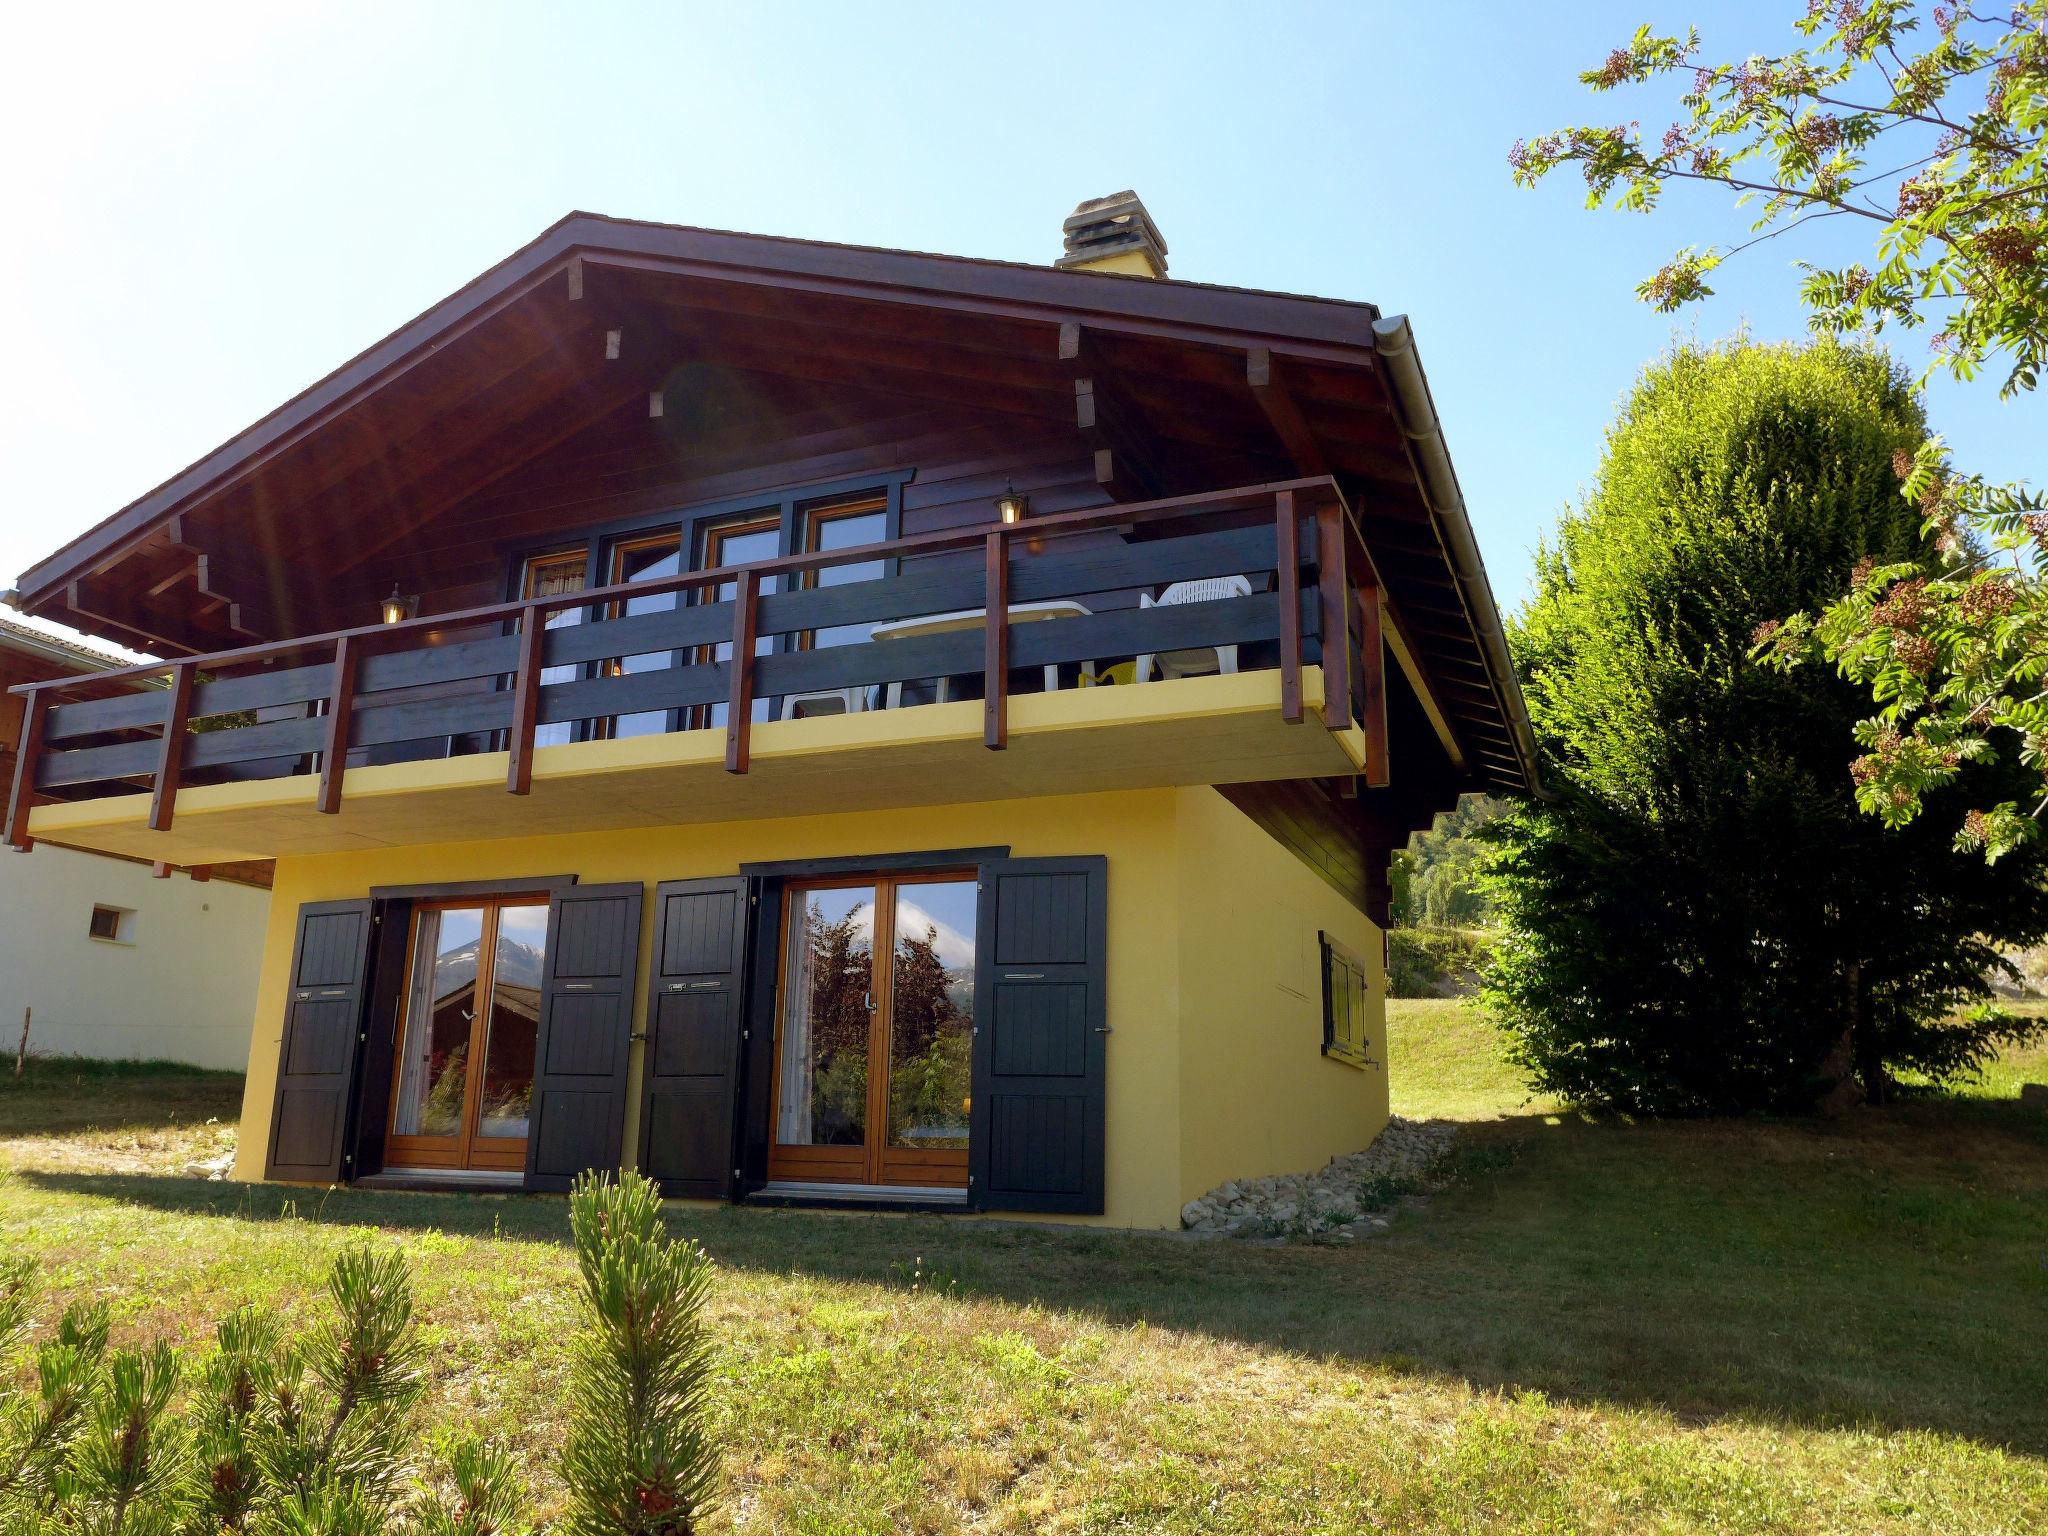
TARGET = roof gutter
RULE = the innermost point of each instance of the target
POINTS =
(1416, 410)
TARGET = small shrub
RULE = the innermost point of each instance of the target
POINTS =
(312, 1437)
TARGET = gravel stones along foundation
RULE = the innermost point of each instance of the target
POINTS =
(1340, 1203)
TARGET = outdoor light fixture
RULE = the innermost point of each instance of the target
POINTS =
(1012, 505)
(398, 609)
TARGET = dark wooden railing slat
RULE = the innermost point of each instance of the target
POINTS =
(124, 712)
(525, 704)
(1287, 543)
(341, 706)
(739, 719)
(170, 761)
(995, 656)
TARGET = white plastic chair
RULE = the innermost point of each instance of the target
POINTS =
(1199, 660)
(826, 701)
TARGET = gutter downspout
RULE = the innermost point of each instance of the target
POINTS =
(1415, 409)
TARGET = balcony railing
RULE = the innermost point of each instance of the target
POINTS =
(737, 634)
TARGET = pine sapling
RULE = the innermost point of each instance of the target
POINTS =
(225, 1479)
(128, 1461)
(637, 1459)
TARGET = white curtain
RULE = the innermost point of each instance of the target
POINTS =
(793, 1108)
(419, 1027)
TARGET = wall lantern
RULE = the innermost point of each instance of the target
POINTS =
(1012, 505)
(396, 609)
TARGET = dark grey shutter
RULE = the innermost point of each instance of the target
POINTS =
(586, 1029)
(316, 1061)
(1041, 1045)
(694, 1019)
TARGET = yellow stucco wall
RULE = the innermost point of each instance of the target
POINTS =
(1257, 1095)
(1198, 899)
(1134, 829)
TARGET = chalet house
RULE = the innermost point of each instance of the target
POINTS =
(96, 951)
(815, 723)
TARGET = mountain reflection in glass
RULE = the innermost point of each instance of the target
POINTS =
(931, 1014)
(829, 959)
(516, 960)
(434, 1065)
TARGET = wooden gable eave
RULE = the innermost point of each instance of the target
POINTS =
(562, 254)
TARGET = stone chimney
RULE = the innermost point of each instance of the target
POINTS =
(1114, 234)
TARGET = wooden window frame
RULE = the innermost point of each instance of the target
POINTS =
(615, 553)
(1345, 974)
(502, 1153)
(874, 1164)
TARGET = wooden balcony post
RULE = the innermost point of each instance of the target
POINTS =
(1288, 580)
(35, 716)
(341, 704)
(1336, 617)
(170, 758)
(1372, 667)
(525, 701)
(739, 707)
(995, 650)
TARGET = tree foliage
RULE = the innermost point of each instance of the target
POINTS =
(1437, 879)
(316, 1436)
(1928, 123)
(1703, 921)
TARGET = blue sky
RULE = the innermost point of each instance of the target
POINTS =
(212, 206)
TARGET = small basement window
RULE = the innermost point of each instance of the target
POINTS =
(112, 924)
(1347, 1034)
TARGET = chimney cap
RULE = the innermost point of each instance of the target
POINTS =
(1104, 228)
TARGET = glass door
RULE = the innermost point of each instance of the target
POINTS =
(463, 1081)
(873, 1041)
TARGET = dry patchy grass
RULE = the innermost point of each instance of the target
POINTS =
(1736, 1326)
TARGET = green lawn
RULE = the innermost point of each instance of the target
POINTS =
(1745, 1326)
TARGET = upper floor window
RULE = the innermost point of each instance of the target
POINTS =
(844, 525)
(553, 575)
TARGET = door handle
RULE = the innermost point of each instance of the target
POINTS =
(871, 1002)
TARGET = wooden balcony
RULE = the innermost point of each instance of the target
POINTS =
(507, 720)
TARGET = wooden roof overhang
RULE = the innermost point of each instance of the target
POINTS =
(295, 524)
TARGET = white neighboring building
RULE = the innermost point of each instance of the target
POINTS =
(114, 962)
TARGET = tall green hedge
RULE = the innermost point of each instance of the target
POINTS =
(1702, 921)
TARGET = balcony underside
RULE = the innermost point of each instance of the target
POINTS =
(1197, 730)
